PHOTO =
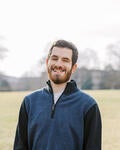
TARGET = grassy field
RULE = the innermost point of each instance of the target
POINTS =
(109, 104)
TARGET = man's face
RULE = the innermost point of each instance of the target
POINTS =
(59, 65)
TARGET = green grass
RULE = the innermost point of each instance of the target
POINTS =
(108, 101)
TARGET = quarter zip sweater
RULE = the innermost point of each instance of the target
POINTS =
(73, 123)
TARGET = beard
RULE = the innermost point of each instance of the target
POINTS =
(59, 75)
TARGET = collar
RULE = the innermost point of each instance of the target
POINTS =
(70, 87)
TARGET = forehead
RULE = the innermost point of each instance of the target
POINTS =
(62, 52)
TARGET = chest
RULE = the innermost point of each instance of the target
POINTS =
(65, 112)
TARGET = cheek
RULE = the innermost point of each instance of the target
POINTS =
(48, 64)
(69, 66)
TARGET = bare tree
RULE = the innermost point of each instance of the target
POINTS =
(114, 55)
(88, 59)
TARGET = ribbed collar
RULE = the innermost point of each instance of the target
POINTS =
(70, 87)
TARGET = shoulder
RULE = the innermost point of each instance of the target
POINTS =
(87, 97)
(86, 100)
(36, 93)
(35, 96)
(34, 99)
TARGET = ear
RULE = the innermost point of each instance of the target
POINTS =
(74, 67)
(46, 61)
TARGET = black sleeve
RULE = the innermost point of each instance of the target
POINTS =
(92, 129)
(21, 140)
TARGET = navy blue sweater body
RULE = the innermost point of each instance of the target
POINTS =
(73, 123)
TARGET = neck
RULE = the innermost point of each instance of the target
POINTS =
(58, 87)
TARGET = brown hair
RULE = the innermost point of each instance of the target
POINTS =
(65, 44)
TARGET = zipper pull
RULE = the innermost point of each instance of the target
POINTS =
(53, 110)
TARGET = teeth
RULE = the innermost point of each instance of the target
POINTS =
(55, 70)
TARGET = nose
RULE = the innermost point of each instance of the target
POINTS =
(58, 62)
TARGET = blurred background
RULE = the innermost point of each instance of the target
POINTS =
(27, 28)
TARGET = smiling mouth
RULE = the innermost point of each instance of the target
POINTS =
(58, 70)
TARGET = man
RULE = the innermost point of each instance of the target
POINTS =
(59, 116)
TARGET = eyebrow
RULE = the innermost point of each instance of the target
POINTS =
(66, 58)
(54, 56)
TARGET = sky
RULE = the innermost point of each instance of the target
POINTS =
(28, 26)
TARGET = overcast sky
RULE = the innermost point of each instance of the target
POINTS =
(27, 26)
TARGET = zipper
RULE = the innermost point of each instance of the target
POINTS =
(53, 110)
(54, 106)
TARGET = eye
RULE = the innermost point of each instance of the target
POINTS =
(54, 58)
(66, 60)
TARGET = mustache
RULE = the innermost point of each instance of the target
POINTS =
(58, 68)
